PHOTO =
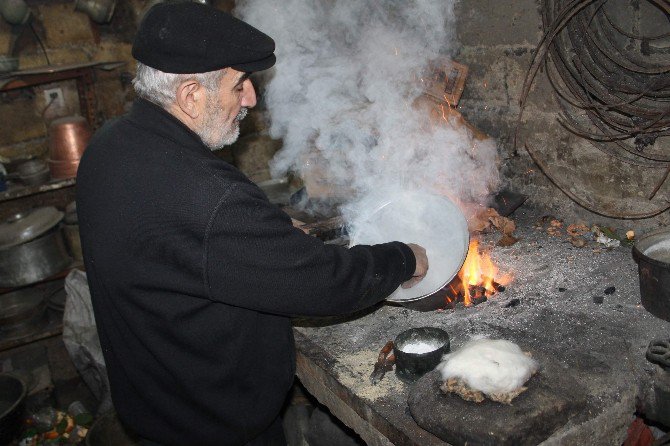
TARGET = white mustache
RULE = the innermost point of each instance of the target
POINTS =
(242, 114)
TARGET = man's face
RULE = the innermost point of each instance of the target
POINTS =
(225, 109)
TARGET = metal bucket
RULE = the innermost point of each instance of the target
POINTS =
(33, 261)
(652, 254)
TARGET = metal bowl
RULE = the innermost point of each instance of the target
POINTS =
(432, 221)
(12, 403)
(19, 307)
(412, 365)
(33, 172)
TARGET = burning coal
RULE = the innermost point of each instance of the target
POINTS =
(478, 279)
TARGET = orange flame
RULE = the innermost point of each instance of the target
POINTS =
(479, 270)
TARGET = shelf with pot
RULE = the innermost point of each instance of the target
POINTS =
(68, 138)
(19, 191)
(38, 249)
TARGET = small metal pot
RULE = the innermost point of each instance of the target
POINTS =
(15, 12)
(12, 403)
(410, 366)
(100, 11)
(23, 306)
(33, 261)
(34, 172)
(652, 254)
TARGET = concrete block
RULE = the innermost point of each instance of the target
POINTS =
(496, 73)
(507, 22)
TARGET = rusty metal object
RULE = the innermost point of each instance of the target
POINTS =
(384, 363)
(610, 85)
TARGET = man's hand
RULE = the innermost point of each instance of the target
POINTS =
(421, 265)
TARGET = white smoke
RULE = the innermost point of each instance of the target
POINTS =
(342, 94)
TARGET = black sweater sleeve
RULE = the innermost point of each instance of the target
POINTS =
(255, 258)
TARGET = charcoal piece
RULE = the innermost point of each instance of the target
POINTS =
(562, 289)
(598, 299)
(610, 290)
(552, 398)
(506, 202)
(479, 300)
(512, 303)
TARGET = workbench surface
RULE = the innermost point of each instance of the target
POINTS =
(334, 362)
(576, 310)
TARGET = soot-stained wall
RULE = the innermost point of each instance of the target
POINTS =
(497, 40)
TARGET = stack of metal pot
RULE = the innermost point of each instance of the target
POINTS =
(31, 247)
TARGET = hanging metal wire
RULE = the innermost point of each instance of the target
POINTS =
(612, 85)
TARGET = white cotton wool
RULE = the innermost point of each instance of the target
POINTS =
(492, 366)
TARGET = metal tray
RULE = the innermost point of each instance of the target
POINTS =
(432, 221)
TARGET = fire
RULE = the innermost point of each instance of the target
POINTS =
(478, 276)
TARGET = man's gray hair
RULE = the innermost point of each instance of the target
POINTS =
(160, 87)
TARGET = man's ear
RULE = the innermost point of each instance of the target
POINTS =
(189, 93)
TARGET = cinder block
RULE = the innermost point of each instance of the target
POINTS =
(505, 22)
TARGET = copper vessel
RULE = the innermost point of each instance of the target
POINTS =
(68, 138)
(61, 170)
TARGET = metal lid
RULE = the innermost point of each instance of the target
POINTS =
(25, 226)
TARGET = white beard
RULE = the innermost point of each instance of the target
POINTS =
(213, 135)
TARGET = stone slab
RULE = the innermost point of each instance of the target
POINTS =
(552, 398)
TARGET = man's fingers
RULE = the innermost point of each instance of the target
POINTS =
(421, 265)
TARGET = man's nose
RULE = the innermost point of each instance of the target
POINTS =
(249, 94)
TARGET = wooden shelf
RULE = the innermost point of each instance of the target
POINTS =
(83, 74)
(25, 191)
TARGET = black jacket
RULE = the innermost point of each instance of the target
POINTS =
(194, 276)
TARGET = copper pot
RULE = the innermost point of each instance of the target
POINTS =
(68, 138)
(61, 170)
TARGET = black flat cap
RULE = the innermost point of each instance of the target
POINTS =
(190, 37)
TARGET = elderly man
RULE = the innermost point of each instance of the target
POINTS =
(194, 274)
